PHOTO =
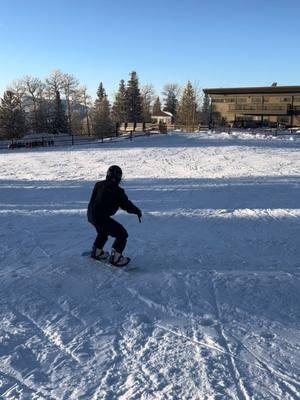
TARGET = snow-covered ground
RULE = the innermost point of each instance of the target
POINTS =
(213, 312)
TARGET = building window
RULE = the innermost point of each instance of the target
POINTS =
(217, 100)
(285, 99)
(241, 99)
(296, 99)
(283, 120)
(256, 99)
(223, 100)
(229, 100)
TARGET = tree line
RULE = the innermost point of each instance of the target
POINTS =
(59, 104)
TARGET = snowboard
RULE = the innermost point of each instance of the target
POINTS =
(128, 267)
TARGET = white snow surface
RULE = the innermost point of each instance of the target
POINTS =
(212, 312)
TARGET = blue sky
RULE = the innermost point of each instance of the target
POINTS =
(214, 43)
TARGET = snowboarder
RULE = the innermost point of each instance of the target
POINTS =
(107, 197)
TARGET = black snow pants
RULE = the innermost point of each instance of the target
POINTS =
(110, 227)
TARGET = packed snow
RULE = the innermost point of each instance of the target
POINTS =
(211, 312)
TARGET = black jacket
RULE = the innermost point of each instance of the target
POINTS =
(106, 199)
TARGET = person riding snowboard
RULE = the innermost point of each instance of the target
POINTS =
(107, 197)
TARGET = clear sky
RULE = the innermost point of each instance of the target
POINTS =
(216, 43)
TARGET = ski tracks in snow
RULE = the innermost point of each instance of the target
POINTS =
(75, 331)
(205, 362)
(289, 386)
(238, 365)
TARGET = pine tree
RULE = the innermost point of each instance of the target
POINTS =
(187, 114)
(12, 119)
(134, 101)
(205, 111)
(170, 93)
(119, 108)
(44, 124)
(156, 107)
(102, 123)
(101, 94)
(59, 122)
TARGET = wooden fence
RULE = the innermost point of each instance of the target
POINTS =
(72, 140)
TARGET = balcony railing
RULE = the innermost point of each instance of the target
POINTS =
(296, 110)
(260, 109)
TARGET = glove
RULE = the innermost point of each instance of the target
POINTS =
(139, 214)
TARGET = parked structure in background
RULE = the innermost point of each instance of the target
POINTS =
(164, 117)
(250, 107)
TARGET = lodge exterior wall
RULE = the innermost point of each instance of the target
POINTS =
(261, 106)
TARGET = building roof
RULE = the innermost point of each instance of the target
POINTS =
(162, 114)
(252, 90)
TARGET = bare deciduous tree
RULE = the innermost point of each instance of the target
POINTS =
(70, 85)
(148, 95)
(84, 99)
(34, 90)
(54, 82)
(19, 90)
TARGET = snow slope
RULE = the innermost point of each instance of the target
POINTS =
(213, 312)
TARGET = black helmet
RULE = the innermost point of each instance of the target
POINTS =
(114, 173)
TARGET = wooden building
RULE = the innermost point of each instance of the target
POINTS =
(272, 106)
(162, 117)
